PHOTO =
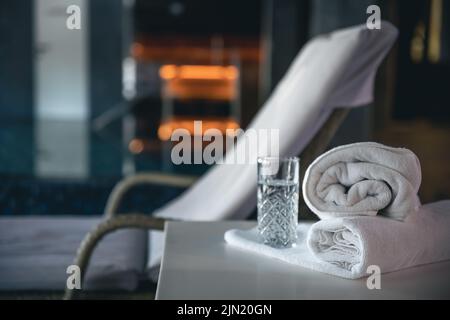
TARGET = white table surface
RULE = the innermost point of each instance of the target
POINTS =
(198, 264)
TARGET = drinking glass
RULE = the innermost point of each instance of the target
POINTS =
(278, 188)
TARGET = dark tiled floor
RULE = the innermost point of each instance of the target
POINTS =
(31, 196)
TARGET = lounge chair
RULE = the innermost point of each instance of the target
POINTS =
(330, 72)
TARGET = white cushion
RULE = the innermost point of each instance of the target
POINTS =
(36, 251)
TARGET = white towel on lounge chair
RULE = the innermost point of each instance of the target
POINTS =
(346, 247)
(363, 179)
(333, 70)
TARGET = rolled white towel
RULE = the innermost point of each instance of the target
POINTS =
(346, 247)
(363, 179)
(352, 244)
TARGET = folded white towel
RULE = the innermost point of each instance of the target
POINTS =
(345, 247)
(363, 179)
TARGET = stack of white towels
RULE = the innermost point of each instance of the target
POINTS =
(366, 197)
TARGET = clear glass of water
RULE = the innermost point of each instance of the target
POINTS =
(278, 188)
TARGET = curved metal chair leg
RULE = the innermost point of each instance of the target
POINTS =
(109, 225)
(122, 187)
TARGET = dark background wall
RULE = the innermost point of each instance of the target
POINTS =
(16, 86)
(16, 56)
(106, 53)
